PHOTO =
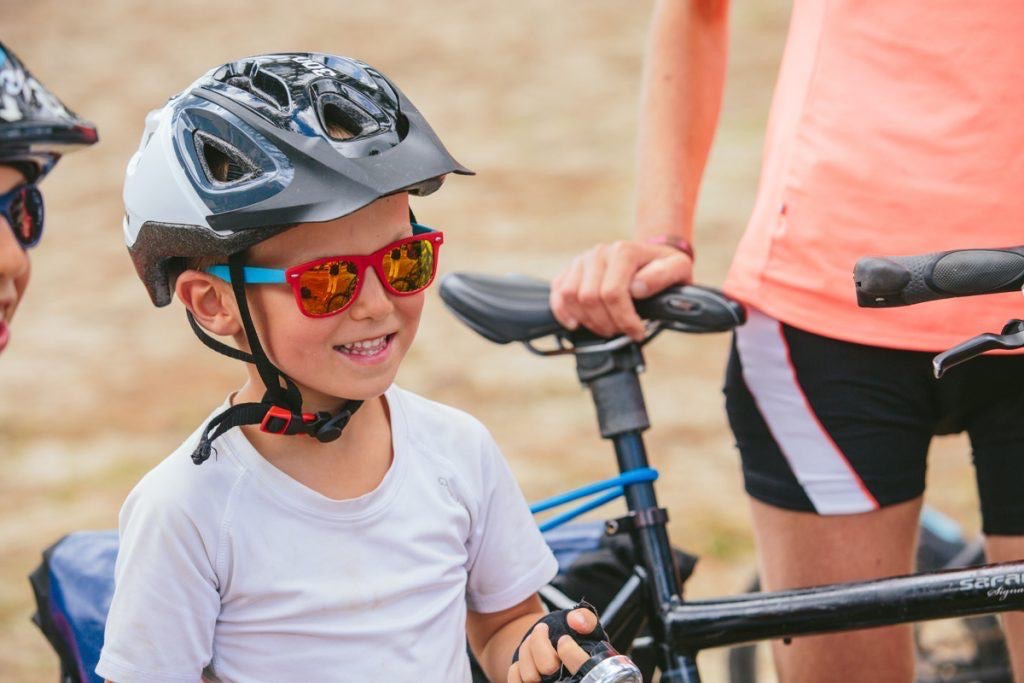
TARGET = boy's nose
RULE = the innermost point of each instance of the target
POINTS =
(374, 301)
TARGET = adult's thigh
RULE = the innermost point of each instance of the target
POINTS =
(799, 549)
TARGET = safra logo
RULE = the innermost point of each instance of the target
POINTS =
(999, 587)
(314, 66)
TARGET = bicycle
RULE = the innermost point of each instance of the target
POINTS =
(515, 309)
(647, 616)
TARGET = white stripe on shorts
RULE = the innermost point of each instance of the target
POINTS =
(821, 468)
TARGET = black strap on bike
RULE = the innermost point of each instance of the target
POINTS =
(280, 410)
(594, 643)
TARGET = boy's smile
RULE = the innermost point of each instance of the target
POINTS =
(367, 350)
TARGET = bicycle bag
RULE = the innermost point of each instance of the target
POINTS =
(73, 587)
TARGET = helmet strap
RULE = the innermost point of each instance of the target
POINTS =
(287, 396)
(280, 410)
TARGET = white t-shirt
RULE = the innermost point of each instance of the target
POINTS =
(236, 568)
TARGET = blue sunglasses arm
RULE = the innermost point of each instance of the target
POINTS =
(253, 274)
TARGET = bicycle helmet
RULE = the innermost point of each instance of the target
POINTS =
(249, 150)
(35, 127)
(256, 146)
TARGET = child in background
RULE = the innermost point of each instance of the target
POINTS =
(35, 130)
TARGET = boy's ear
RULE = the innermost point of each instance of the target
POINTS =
(210, 301)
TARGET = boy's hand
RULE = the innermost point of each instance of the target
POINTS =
(598, 288)
(537, 657)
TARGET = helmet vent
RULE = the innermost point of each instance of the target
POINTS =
(401, 125)
(263, 85)
(343, 121)
(222, 162)
(271, 88)
(336, 123)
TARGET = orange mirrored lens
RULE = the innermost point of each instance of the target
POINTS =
(327, 287)
(409, 267)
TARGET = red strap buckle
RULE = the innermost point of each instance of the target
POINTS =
(278, 420)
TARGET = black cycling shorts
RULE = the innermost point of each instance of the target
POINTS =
(833, 427)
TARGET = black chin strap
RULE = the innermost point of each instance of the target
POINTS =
(280, 410)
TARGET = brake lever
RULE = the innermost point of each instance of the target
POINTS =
(1012, 337)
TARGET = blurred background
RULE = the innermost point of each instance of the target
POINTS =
(540, 98)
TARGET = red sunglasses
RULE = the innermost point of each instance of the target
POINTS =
(329, 285)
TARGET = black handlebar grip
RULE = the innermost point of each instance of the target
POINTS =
(692, 308)
(886, 281)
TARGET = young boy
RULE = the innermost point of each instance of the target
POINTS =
(35, 130)
(271, 197)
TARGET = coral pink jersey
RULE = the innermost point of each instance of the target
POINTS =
(897, 127)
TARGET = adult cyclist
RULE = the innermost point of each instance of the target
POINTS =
(35, 130)
(895, 128)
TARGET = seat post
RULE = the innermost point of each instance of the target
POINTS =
(612, 377)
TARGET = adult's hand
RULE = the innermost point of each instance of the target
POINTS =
(598, 288)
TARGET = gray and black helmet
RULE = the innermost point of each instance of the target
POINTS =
(258, 145)
(35, 127)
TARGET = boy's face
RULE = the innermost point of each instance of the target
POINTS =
(354, 354)
(14, 264)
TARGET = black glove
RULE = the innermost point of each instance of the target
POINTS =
(594, 643)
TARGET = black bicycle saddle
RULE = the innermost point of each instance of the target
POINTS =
(514, 308)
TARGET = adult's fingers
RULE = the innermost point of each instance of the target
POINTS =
(593, 314)
(624, 259)
(564, 300)
(666, 269)
(598, 288)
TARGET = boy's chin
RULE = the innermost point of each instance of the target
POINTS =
(352, 391)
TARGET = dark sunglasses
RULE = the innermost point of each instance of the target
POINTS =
(22, 207)
(329, 285)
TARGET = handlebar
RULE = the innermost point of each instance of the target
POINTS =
(888, 281)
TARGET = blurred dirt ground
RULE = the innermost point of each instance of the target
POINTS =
(539, 98)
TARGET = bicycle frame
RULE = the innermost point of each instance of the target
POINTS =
(681, 629)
